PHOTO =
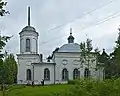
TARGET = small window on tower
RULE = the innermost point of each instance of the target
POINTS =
(27, 45)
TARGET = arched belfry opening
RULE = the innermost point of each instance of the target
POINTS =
(27, 45)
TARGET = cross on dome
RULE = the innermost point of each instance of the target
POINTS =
(70, 31)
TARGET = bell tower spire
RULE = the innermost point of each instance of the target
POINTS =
(29, 16)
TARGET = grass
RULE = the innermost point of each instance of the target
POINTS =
(36, 90)
(87, 87)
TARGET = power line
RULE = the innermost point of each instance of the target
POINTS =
(95, 9)
(81, 16)
(102, 21)
(84, 28)
(91, 25)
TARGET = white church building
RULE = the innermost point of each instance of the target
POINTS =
(65, 64)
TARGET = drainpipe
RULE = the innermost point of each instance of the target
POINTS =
(33, 72)
(54, 73)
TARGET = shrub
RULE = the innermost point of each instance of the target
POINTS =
(109, 87)
(86, 87)
(72, 82)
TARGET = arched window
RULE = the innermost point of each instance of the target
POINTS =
(86, 73)
(46, 74)
(64, 74)
(28, 74)
(75, 74)
(27, 45)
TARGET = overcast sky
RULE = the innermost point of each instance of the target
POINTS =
(47, 14)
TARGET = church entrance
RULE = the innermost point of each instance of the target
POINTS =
(29, 74)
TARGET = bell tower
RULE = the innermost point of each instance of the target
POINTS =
(28, 52)
(28, 38)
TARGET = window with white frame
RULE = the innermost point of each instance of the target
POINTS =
(75, 73)
(86, 73)
(46, 74)
(64, 74)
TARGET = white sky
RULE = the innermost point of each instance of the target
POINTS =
(47, 14)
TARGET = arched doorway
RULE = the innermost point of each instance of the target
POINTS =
(29, 74)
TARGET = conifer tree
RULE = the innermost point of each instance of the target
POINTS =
(115, 59)
(105, 59)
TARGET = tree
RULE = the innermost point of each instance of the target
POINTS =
(115, 58)
(3, 39)
(117, 51)
(1, 70)
(105, 59)
(10, 67)
(97, 51)
(89, 45)
(86, 48)
(2, 10)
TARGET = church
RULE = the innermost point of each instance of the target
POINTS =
(66, 62)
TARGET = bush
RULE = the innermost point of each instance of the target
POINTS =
(109, 87)
(72, 82)
(86, 87)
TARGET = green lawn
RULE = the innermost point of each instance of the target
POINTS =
(37, 90)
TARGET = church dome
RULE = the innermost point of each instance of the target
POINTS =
(28, 28)
(70, 47)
